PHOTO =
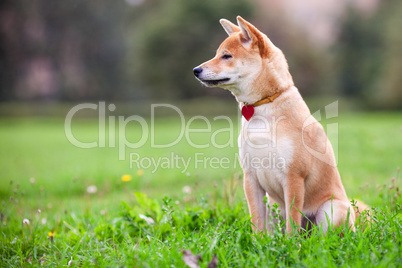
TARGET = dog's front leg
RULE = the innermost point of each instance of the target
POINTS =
(294, 199)
(255, 199)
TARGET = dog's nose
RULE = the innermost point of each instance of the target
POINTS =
(197, 71)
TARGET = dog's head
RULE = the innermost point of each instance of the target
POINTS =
(246, 63)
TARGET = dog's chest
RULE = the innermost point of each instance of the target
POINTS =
(265, 154)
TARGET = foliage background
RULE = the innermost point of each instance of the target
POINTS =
(137, 50)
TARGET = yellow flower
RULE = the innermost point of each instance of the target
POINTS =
(51, 234)
(126, 178)
(140, 172)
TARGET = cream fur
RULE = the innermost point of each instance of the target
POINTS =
(283, 129)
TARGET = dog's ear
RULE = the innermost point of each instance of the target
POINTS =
(246, 30)
(252, 36)
(229, 27)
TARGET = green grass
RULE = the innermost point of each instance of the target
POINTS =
(105, 228)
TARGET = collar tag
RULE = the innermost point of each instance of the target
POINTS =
(247, 111)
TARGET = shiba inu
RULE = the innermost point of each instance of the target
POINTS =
(276, 121)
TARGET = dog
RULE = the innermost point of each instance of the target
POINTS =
(277, 124)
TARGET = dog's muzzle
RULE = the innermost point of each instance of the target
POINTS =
(197, 71)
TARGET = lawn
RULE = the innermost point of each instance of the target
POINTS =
(93, 215)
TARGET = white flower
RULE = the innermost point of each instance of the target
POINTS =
(39, 211)
(186, 189)
(43, 221)
(25, 221)
(71, 261)
(147, 219)
(92, 189)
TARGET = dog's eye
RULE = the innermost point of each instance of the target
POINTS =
(226, 56)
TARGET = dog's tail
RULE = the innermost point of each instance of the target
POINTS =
(360, 207)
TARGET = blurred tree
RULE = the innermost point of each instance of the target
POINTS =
(309, 62)
(61, 49)
(369, 56)
(135, 49)
(175, 37)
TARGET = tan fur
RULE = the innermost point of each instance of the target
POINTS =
(309, 178)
